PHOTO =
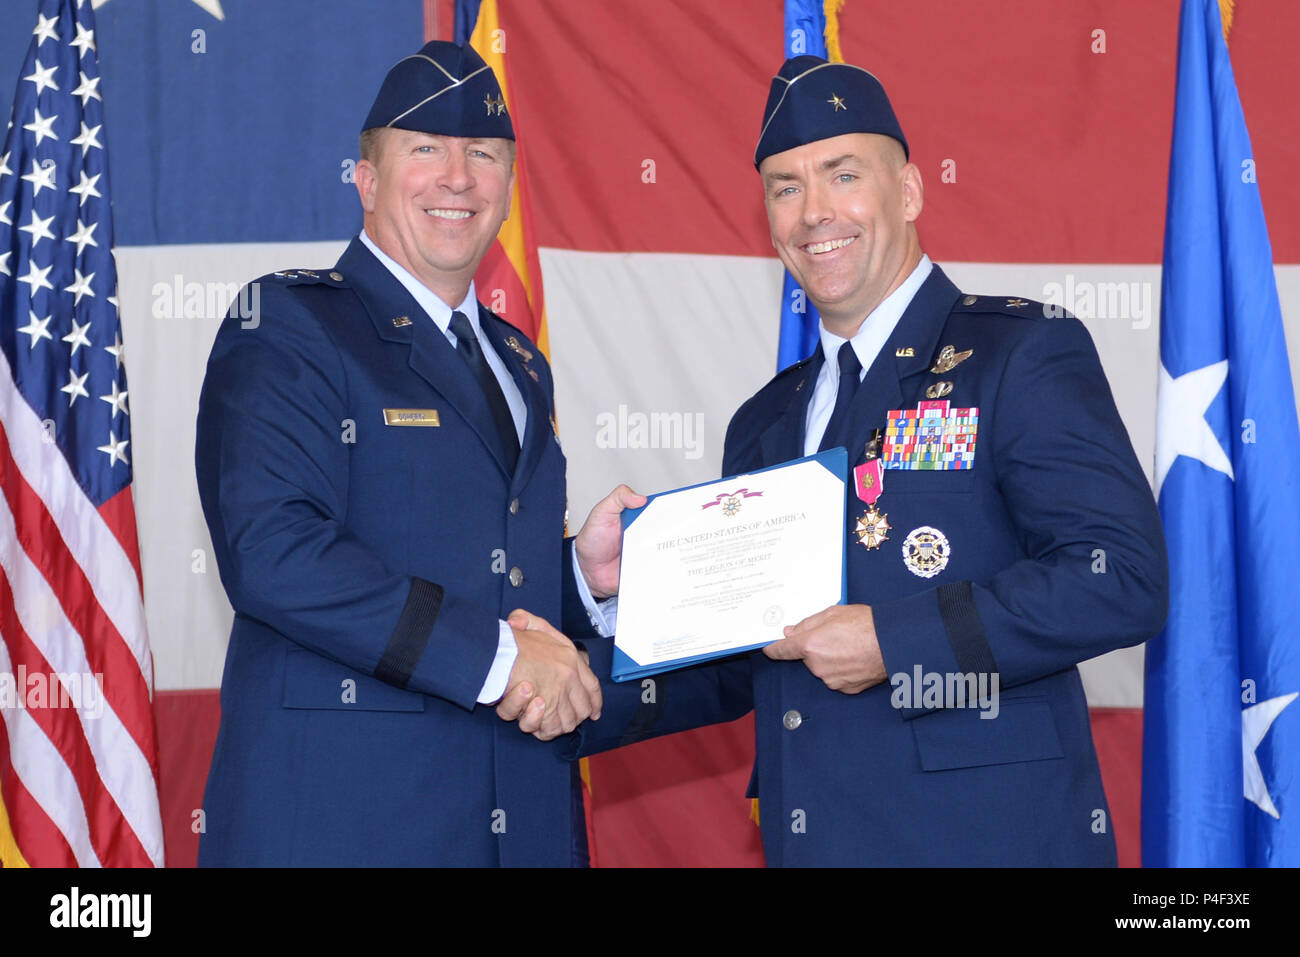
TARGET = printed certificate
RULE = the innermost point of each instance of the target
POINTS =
(723, 567)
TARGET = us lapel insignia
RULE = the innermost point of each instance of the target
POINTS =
(400, 321)
(905, 352)
(949, 358)
(938, 390)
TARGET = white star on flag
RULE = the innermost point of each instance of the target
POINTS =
(211, 6)
(86, 188)
(76, 386)
(85, 40)
(42, 127)
(117, 399)
(4, 213)
(117, 350)
(39, 228)
(88, 139)
(115, 449)
(46, 29)
(1255, 722)
(83, 237)
(77, 337)
(4, 262)
(35, 278)
(80, 287)
(88, 90)
(43, 77)
(1181, 428)
(41, 177)
(4, 164)
(38, 329)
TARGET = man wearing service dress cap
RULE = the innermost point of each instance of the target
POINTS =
(381, 477)
(999, 531)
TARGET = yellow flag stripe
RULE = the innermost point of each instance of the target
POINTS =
(489, 40)
(1225, 14)
(831, 9)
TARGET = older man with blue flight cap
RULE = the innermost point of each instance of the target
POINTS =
(999, 531)
(385, 490)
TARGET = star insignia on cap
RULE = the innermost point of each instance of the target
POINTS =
(837, 102)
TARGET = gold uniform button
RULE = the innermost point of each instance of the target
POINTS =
(514, 506)
(516, 576)
(970, 300)
(791, 719)
(336, 276)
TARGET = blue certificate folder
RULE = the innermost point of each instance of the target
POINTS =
(624, 668)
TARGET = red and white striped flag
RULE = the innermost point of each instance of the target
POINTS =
(78, 759)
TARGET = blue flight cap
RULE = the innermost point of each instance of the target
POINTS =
(812, 99)
(445, 89)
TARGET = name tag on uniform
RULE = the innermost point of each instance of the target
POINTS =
(427, 417)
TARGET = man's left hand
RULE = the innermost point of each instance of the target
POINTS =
(600, 542)
(838, 645)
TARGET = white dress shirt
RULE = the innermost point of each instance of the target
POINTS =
(870, 339)
(507, 650)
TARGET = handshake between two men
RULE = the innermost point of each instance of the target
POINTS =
(551, 689)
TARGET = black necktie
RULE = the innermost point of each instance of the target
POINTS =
(850, 369)
(472, 353)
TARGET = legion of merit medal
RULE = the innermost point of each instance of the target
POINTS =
(873, 527)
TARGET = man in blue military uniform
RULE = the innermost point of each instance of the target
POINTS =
(999, 531)
(379, 470)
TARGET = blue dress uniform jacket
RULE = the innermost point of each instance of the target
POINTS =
(368, 564)
(1056, 556)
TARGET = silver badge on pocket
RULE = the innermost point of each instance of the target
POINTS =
(926, 551)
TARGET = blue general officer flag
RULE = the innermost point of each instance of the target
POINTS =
(1221, 753)
(805, 32)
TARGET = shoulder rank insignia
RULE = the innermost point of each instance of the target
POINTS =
(948, 359)
(305, 274)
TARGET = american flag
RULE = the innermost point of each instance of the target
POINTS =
(78, 759)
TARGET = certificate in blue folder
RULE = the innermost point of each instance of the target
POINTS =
(722, 568)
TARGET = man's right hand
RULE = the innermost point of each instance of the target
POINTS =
(550, 690)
